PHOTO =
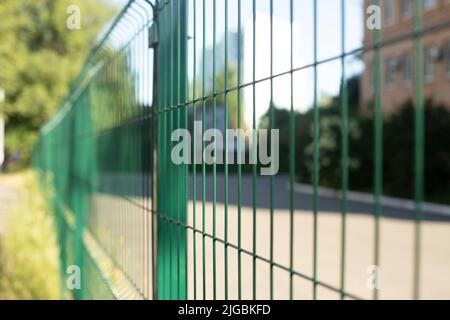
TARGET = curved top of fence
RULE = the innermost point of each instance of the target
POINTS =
(134, 16)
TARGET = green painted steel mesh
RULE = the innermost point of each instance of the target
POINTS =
(96, 154)
(139, 226)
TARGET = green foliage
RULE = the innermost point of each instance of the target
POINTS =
(39, 57)
(29, 254)
(220, 98)
(398, 148)
(232, 95)
(399, 153)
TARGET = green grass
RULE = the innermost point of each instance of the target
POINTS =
(28, 251)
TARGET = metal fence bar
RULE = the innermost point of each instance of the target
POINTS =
(272, 178)
(254, 146)
(292, 162)
(204, 94)
(239, 120)
(194, 162)
(378, 149)
(214, 120)
(419, 138)
(316, 155)
(227, 125)
(344, 151)
(180, 200)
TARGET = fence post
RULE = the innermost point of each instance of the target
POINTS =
(154, 44)
(171, 191)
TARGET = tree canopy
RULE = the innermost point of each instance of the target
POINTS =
(39, 58)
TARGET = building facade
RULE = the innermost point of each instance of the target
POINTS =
(398, 57)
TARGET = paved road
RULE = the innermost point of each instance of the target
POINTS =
(396, 242)
(303, 201)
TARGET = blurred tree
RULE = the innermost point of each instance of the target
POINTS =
(329, 140)
(232, 95)
(281, 122)
(399, 146)
(39, 57)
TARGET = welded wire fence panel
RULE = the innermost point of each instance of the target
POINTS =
(319, 72)
(97, 156)
(233, 214)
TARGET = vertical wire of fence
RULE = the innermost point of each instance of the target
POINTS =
(419, 145)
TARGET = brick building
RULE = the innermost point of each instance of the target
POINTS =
(397, 58)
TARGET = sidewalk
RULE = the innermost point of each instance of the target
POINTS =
(10, 186)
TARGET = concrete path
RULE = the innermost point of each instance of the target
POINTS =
(10, 186)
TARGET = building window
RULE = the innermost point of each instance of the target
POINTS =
(389, 15)
(391, 68)
(407, 70)
(406, 8)
(429, 4)
(447, 59)
(431, 54)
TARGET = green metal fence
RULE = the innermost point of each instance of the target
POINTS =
(139, 226)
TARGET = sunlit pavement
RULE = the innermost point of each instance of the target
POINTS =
(397, 229)
(396, 259)
(396, 246)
